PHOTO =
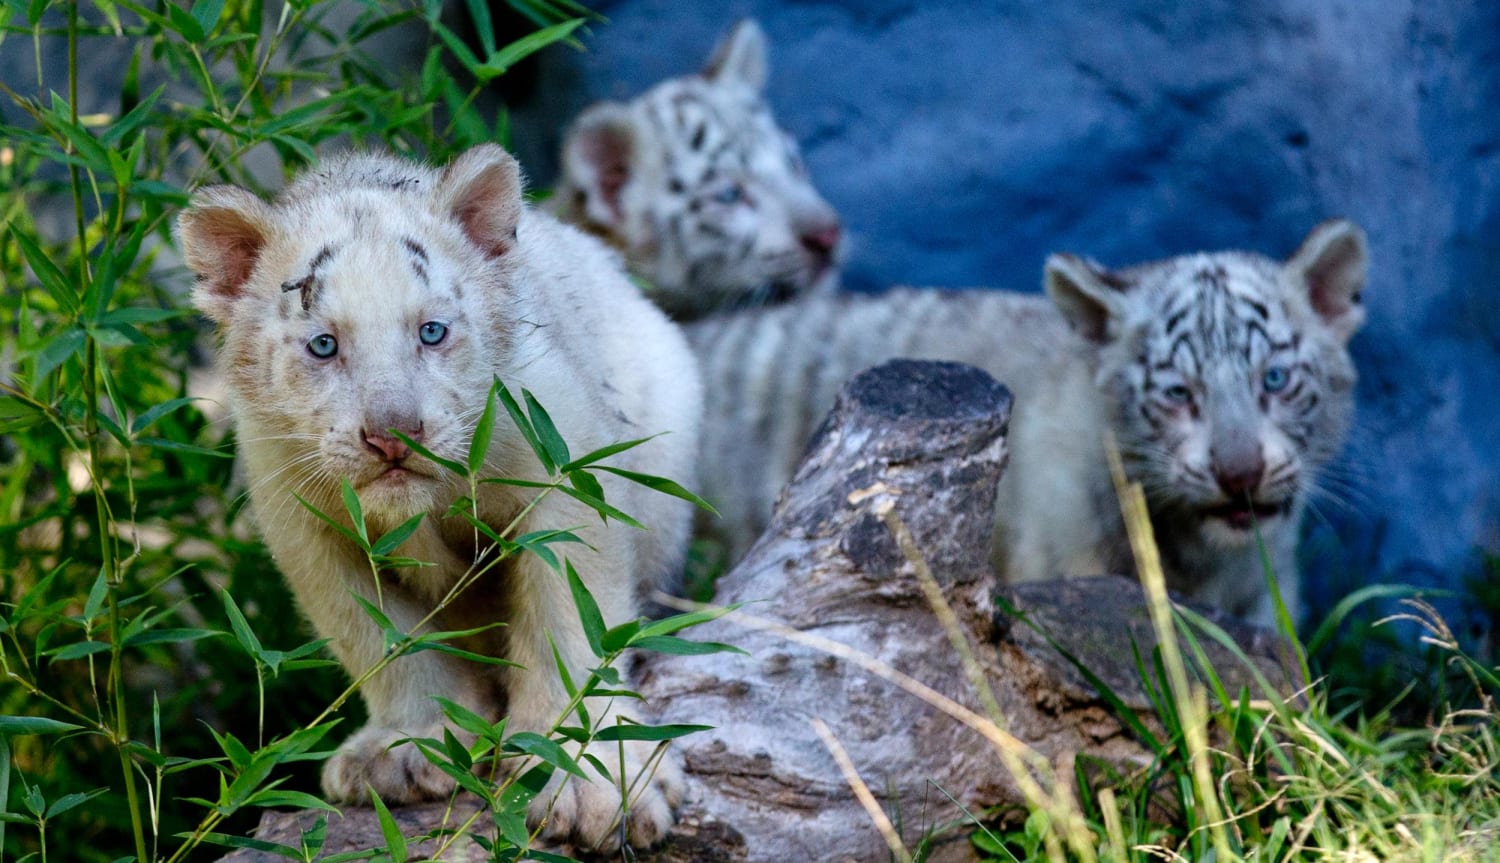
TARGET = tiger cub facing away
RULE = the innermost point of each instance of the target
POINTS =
(377, 294)
(1225, 379)
(706, 197)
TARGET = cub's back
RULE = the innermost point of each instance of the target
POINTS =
(775, 373)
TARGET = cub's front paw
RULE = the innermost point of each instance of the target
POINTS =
(399, 774)
(589, 813)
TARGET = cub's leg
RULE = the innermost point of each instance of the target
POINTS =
(587, 811)
(399, 700)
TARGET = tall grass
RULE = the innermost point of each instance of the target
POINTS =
(157, 692)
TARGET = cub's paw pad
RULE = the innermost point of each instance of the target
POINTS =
(372, 759)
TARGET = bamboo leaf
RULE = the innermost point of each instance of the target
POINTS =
(546, 432)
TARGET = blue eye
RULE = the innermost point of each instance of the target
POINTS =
(1276, 379)
(322, 346)
(730, 195)
(432, 333)
(1177, 394)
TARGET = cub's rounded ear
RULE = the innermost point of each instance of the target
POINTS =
(740, 57)
(598, 161)
(1090, 297)
(1331, 266)
(222, 234)
(481, 190)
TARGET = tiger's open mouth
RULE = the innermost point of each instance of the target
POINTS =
(1242, 515)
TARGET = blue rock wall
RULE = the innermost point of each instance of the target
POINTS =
(962, 142)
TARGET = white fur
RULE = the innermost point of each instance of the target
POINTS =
(524, 298)
(1075, 375)
(705, 195)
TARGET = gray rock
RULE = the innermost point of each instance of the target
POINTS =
(963, 142)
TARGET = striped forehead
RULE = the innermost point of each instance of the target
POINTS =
(1216, 306)
(386, 269)
(709, 127)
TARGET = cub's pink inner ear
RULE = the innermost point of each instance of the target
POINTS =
(1332, 263)
(222, 234)
(599, 157)
(481, 190)
(1087, 295)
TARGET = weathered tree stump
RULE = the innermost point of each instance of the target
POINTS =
(927, 441)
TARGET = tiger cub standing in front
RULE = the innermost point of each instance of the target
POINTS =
(374, 295)
(704, 194)
(1225, 379)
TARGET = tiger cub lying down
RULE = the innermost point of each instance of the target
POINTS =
(704, 194)
(1225, 379)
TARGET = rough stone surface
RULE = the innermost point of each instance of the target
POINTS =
(927, 440)
(963, 142)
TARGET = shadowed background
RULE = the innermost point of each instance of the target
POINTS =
(963, 142)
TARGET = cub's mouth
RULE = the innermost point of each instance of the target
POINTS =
(1242, 515)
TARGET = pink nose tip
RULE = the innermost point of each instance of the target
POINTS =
(387, 446)
(1242, 481)
(822, 240)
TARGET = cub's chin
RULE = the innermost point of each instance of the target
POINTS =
(396, 494)
(1234, 524)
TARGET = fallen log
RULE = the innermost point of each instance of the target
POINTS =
(833, 601)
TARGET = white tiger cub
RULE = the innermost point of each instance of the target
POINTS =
(705, 195)
(1224, 377)
(376, 294)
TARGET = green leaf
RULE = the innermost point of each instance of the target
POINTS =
(395, 843)
(479, 445)
(603, 453)
(228, 841)
(179, 446)
(295, 799)
(484, 26)
(586, 483)
(328, 520)
(428, 454)
(629, 731)
(20, 726)
(524, 47)
(97, 595)
(604, 510)
(140, 315)
(557, 449)
(170, 636)
(77, 650)
(72, 801)
(440, 647)
(467, 719)
(679, 622)
(588, 610)
(674, 646)
(523, 424)
(206, 13)
(184, 23)
(356, 512)
(140, 423)
(661, 484)
(548, 751)
(619, 637)
(400, 533)
(241, 627)
(58, 349)
(122, 128)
